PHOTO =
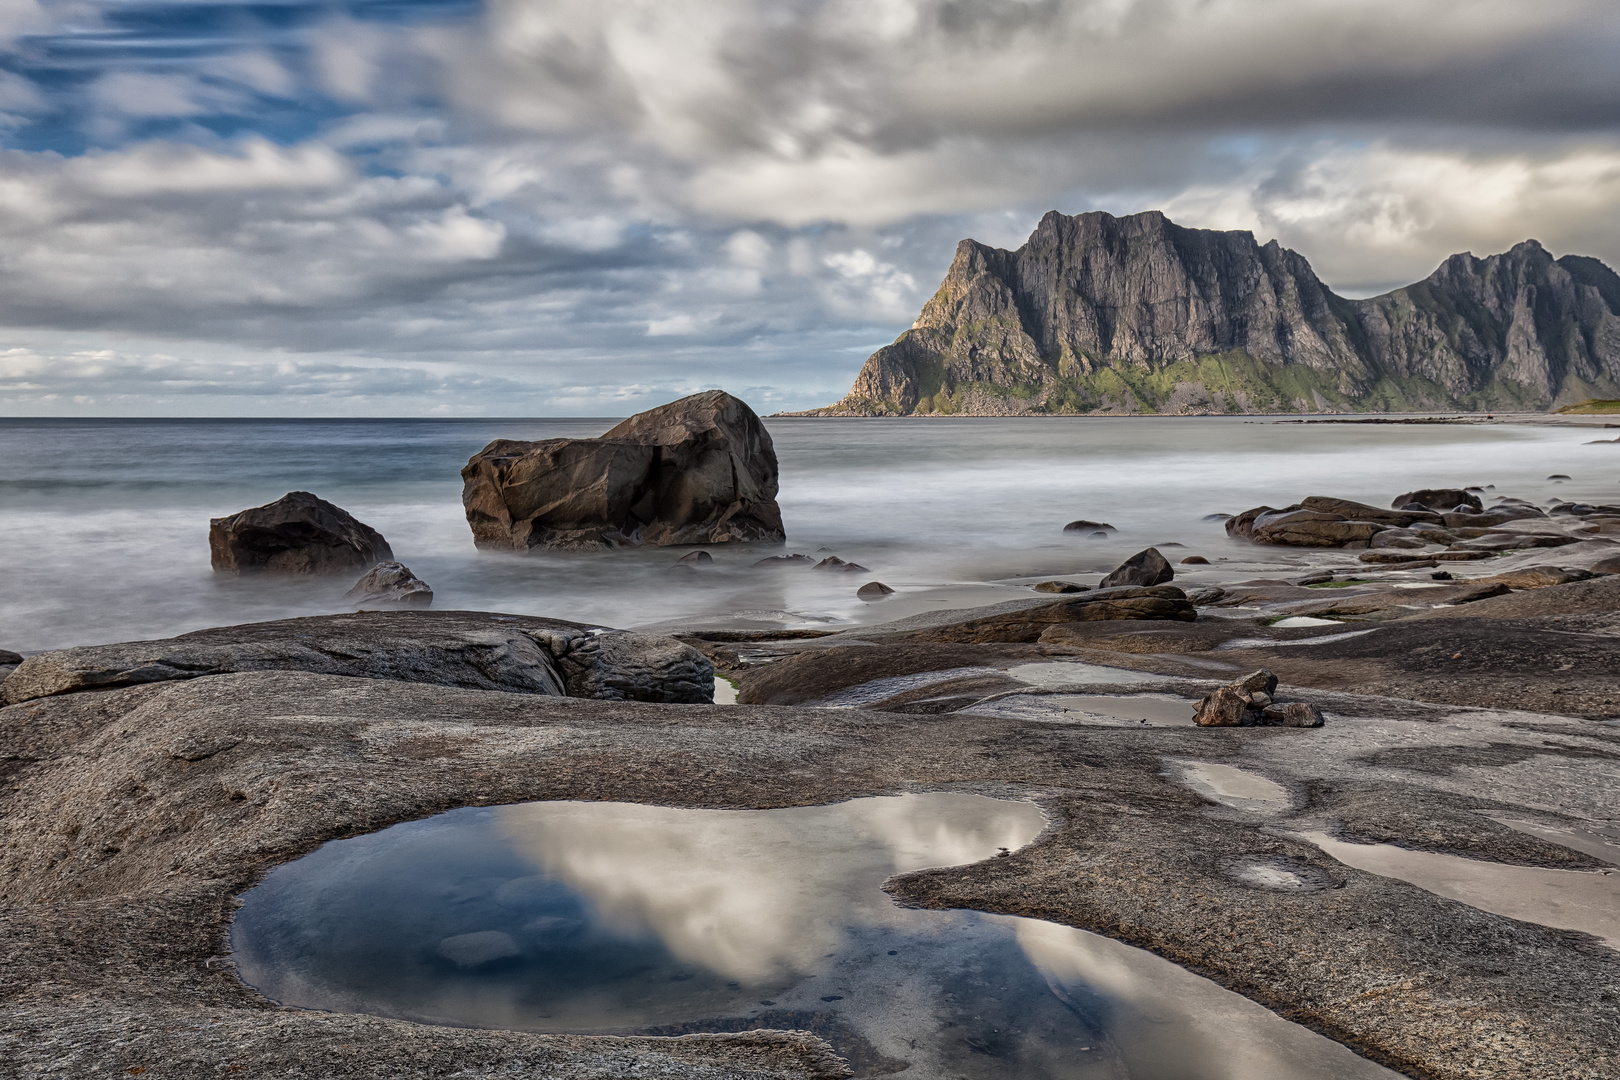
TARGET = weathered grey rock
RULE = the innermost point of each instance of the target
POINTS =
(873, 590)
(1210, 595)
(1442, 500)
(1536, 577)
(297, 534)
(1059, 587)
(390, 584)
(1028, 623)
(1225, 707)
(1514, 541)
(700, 470)
(620, 666)
(1257, 682)
(1496, 515)
(776, 561)
(1401, 539)
(472, 650)
(1087, 526)
(1146, 567)
(1319, 577)
(1308, 528)
(696, 558)
(1301, 714)
(837, 565)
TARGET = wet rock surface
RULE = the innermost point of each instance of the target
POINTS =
(390, 584)
(513, 653)
(1146, 567)
(130, 818)
(299, 533)
(701, 470)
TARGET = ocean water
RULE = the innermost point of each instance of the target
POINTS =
(104, 523)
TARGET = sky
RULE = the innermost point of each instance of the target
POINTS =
(589, 207)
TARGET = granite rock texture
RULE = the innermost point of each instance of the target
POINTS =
(700, 470)
(390, 584)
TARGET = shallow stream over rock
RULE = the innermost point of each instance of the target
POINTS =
(617, 917)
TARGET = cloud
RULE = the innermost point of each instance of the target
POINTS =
(599, 203)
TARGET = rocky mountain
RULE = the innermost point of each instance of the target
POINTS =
(1098, 314)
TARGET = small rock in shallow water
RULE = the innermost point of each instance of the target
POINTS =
(786, 560)
(1087, 526)
(1195, 560)
(696, 558)
(1146, 567)
(833, 562)
(390, 584)
(873, 590)
(1059, 587)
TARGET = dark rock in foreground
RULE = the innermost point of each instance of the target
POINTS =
(390, 584)
(873, 590)
(297, 534)
(473, 650)
(1146, 567)
(700, 470)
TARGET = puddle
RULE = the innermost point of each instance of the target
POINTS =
(1566, 899)
(1237, 788)
(725, 691)
(612, 917)
(1304, 620)
(1599, 845)
(869, 693)
(1061, 673)
(1268, 643)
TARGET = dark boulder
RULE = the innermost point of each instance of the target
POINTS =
(785, 560)
(1443, 500)
(1146, 567)
(296, 534)
(873, 590)
(1059, 587)
(390, 584)
(837, 565)
(1087, 526)
(701, 470)
(695, 558)
(1195, 560)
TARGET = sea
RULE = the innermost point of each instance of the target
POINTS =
(104, 523)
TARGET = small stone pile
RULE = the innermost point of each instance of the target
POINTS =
(1251, 702)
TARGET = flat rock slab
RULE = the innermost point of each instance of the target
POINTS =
(1029, 623)
(120, 850)
(475, 650)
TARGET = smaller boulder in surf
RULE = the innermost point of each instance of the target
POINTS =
(390, 584)
(1145, 568)
(297, 534)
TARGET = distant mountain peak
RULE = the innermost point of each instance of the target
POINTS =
(1104, 314)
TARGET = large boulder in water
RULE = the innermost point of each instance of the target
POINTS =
(296, 534)
(700, 470)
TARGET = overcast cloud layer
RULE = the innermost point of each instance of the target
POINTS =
(541, 207)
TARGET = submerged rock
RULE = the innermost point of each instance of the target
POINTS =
(834, 563)
(390, 584)
(297, 534)
(1443, 500)
(696, 558)
(1088, 526)
(1059, 587)
(1146, 567)
(1195, 560)
(785, 560)
(701, 470)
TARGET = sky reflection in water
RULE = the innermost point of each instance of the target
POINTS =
(612, 917)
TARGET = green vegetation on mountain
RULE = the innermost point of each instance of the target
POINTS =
(1097, 314)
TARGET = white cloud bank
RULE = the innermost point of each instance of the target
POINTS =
(567, 199)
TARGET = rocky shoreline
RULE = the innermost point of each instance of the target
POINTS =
(1468, 712)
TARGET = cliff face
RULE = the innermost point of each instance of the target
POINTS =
(1137, 314)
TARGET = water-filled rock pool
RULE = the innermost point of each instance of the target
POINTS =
(624, 918)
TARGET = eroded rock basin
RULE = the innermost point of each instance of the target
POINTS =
(627, 918)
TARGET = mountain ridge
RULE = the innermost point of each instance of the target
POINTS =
(1126, 315)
